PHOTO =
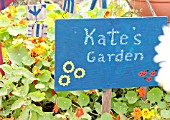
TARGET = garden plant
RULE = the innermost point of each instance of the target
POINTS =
(27, 88)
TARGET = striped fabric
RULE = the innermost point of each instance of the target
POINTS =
(5, 3)
(103, 3)
(69, 6)
(37, 30)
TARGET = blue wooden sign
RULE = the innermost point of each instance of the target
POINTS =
(106, 53)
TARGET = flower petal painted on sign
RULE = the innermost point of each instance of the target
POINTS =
(68, 67)
(64, 80)
(79, 73)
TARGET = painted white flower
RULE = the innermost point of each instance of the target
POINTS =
(163, 58)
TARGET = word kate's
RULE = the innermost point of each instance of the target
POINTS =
(102, 38)
(112, 56)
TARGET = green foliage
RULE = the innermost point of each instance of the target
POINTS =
(155, 95)
(131, 96)
(64, 103)
(83, 100)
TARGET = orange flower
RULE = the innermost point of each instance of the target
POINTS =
(38, 50)
(56, 108)
(142, 91)
(118, 117)
(111, 113)
(53, 47)
(79, 112)
(23, 21)
(137, 113)
(91, 91)
(41, 39)
(107, 14)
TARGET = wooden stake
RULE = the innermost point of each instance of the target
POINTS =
(106, 100)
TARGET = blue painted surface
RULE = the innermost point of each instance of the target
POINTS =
(93, 4)
(104, 4)
(131, 37)
(3, 4)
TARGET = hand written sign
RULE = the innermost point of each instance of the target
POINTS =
(106, 53)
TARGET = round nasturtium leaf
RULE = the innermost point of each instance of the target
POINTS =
(131, 96)
(106, 116)
(83, 99)
(162, 104)
(155, 95)
(64, 103)
(165, 113)
(167, 97)
(120, 107)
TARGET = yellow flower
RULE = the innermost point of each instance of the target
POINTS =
(68, 67)
(79, 73)
(64, 80)
(146, 113)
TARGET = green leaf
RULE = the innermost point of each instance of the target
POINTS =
(167, 97)
(86, 109)
(28, 60)
(3, 91)
(142, 104)
(86, 116)
(33, 115)
(77, 16)
(5, 112)
(16, 30)
(45, 77)
(26, 81)
(39, 86)
(64, 103)
(47, 116)
(101, 13)
(25, 113)
(1, 85)
(17, 104)
(113, 94)
(16, 53)
(162, 104)
(97, 107)
(63, 94)
(1, 102)
(83, 100)
(165, 113)
(37, 96)
(131, 96)
(21, 10)
(21, 91)
(36, 109)
(4, 21)
(120, 107)
(155, 95)
(106, 116)
(51, 84)
(24, 72)
(46, 63)
(6, 68)
(77, 93)
(4, 35)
